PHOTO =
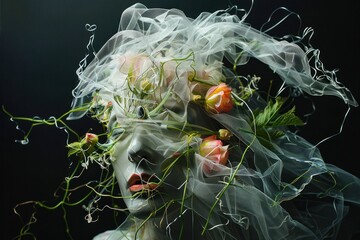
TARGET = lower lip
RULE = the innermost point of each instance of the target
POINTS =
(142, 187)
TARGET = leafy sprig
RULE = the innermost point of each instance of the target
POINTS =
(271, 122)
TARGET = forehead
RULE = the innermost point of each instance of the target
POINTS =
(138, 83)
(158, 87)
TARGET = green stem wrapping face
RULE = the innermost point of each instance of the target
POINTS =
(182, 128)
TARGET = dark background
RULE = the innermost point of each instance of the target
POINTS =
(42, 42)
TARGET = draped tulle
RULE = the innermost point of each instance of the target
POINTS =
(283, 192)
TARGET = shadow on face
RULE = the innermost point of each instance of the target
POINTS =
(150, 158)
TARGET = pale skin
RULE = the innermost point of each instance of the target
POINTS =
(145, 188)
(136, 166)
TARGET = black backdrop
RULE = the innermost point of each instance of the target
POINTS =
(42, 42)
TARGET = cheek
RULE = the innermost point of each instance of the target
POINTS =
(121, 164)
(119, 157)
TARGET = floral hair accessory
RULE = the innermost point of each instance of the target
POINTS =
(162, 81)
(213, 150)
(218, 99)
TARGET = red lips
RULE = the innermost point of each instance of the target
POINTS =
(139, 182)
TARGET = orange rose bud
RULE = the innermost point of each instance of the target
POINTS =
(213, 150)
(218, 99)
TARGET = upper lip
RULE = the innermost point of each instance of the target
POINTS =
(137, 179)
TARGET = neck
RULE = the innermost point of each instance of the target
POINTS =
(170, 225)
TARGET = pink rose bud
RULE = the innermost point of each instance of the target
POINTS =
(218, 99)
(91, 138)
(213, 150)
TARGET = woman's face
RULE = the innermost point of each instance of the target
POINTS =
(141, 155)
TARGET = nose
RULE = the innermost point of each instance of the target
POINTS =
(142, 148)
(138, 151)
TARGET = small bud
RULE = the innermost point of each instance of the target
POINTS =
(146, 85)
(196, 97)
(91, 139)
(225, 134)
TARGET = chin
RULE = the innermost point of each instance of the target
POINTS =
(139, 207)
(143, 207)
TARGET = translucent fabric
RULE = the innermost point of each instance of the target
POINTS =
(162, 35)
(159, 61)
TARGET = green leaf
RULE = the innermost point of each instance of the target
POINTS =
(288, 119)
(277, 133)
(74, 148)
(263, 118)
(271, 116)
(270, 121)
